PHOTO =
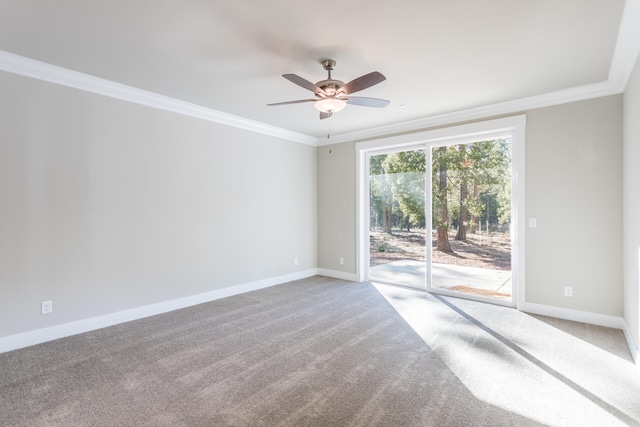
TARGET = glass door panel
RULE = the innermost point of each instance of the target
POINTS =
(397, 248)
(471, 220)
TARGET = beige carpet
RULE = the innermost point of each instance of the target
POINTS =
(325, 352)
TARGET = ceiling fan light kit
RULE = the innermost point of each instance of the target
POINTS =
(333, 95)
(330, 105)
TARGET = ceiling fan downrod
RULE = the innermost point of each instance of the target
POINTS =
(329, 65)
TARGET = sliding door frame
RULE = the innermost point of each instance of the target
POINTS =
(481, 131)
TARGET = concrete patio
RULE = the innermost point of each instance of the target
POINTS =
(446, 276)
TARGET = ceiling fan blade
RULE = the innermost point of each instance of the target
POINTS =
(326, 115)
(363, 82)
(367, 102)
(293, 78)
(292, 102)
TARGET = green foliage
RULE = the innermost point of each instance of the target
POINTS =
(482, 169)
(407, 169)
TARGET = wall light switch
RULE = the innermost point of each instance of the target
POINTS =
(341, 261)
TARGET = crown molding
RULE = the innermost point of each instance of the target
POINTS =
(627, 46)
(27, 67)
(503, 108)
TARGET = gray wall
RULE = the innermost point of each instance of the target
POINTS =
(573, 187)
(107, 205)
(337, 207)
(631, 168)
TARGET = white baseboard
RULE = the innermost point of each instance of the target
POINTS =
(586, 317)
(26, 339)
(575, 315)
(633, 348)
(338, 274)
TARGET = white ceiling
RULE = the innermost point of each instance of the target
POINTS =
(439, 57)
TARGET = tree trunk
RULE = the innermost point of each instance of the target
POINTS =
(383, 204)
(442, 242)
(474, 219)
(387, 213)
(461, 235)
(386, 204)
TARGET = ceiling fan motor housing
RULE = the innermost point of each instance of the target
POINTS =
(330, 86)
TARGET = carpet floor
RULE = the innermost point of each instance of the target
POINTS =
(326, 352)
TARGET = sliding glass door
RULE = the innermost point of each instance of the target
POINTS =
(439, 218)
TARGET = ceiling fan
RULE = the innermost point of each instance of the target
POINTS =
(333, 95)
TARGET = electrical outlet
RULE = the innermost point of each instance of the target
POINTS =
(295, 261)
(568, 291)
(341, 261)
(46, 306)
